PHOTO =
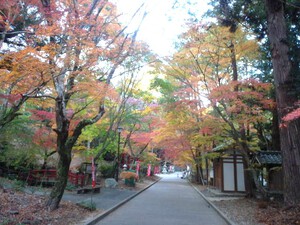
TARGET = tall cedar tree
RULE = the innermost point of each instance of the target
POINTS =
(286, 99)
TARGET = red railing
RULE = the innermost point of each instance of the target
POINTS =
(76, 179)
(41, 176)
(49, 177)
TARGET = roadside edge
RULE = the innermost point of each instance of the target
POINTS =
(213, 206)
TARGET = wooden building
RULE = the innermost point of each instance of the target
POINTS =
(228, 171)
(268, 164)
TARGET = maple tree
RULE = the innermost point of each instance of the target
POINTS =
(21, 78)
(15, 19)
(23, 75)
(140, 122)
(210, 69)
(69, 56)
(94, 49)
(102, 139)
(246, 100)
(184, 119)
(185, 140)
(44, 136)
(119, 111)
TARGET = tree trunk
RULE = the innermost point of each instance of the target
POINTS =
(275, 132)
(64, 153)
(62, 179)
(199, 174)
(285, 97)
(250, 173)
(290, 147)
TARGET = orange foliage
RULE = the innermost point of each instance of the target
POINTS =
(202, 73)
(128, 175)
(247, 102)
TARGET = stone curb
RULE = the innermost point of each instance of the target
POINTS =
(99, 217)
(228, 221)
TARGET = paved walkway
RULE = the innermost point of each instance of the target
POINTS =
(106, 199)
(171, 201)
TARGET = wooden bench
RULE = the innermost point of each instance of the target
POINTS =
(89, 189)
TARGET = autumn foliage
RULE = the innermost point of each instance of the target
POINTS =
(61, 58)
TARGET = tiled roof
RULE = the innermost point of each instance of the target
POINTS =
(269, 157)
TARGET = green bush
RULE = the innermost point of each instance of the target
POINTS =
(107, 170)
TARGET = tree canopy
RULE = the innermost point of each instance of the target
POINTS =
(70, 74)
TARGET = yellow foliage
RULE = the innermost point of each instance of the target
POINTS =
(146, 111)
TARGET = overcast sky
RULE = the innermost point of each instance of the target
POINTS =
(164, 21)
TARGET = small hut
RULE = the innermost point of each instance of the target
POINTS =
(268, 164)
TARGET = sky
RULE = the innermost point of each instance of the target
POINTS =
(164, 21)
(160, 28)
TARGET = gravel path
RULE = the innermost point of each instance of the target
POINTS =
(236, 207)
(240, 211)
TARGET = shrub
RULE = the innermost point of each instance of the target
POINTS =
(107, 170)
